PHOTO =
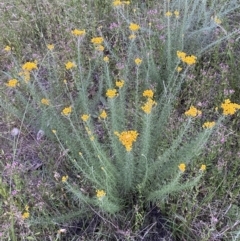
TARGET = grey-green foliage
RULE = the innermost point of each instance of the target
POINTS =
(152, 164)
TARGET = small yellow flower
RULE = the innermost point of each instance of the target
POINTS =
(70, 65)
(25, 215)
(147, 107)
(217, 20)
(29, 66)
(111, 93)
(27, 208)
(103, 114)
(229, 108)
(50, 47)
(203, 168)
(168, 14)
(26, 75)
(99, 48)
(64, 178)
(176, 13)
(67, 110)
(209, 124)
(179, 69)
(191, 59)
(148, 93)
(91, 138)
(45, 101)
(132, 36)
(85, 117)
(7, 48)
(127, 138)
(193, 112)
(54, 132)
(119, 83)
(134, 27)
(97, 40)
(181, 55)
(117, 3)
(106, 59)
(78, 33)
(182, 167)
(100, 194)
(138, 61)
(12, 83)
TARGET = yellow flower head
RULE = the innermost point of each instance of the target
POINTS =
(64, 178)
(106, 59)
(78, 33)
(85, 117)
(217, 20)
(50, 47)
(117, 3)
(29, 66)
(138, 61)
(26, 75)
(111, 93)
(147, 107)
(103, 114)
(203, 168)
(132, 36)
(67, 111)
(191, 59)
(100, 194)
(134, 27)
(182, 167)
(181, 55)
(25, 215)
(70, 65)
(12, 83)
(168, 14)
(45, 101)
(193, 112)
(127, 138)
(7, 48)
(119, 83)
(229, 108)
(97, 40)
(176, 13)
(99, 48)
(54, 132)
(148, 93)
(179, 69)
(209, 124)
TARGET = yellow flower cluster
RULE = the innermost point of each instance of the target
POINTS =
(7, 48)
(193, 112)
(147, 107)
(67, 111)
(97, 40)
(182, 167)
(45, 101)
(119, 83)
(209, 124)
(99, 48)
(85, 117)
(70, 65)
(134, 27)
(229, 108)
(12, 83)
(217, 20)
(64, 178)
(188, 59)
(203, 167)
(106, 59)
(111, 93)
(100, 194)
(103, 114)
(50, 47)
(127, 138)
(78, 33)
(26, 75)
(118, 3)
(26, 214)
(29, 66)
(169, 14)
(138, 61)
